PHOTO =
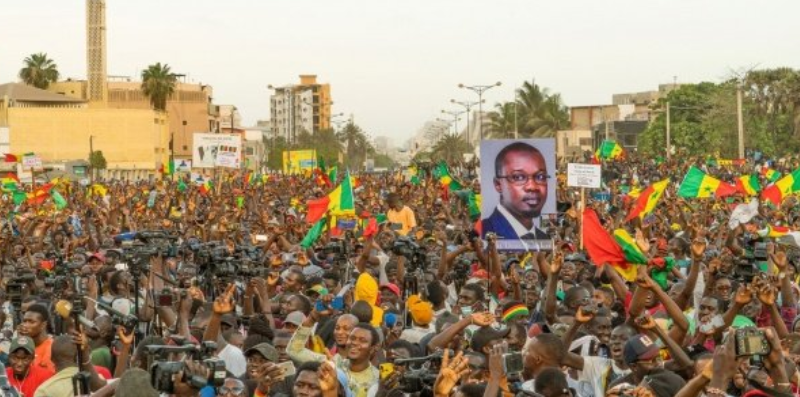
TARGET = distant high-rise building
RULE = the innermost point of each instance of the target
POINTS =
(96, 50)
(300, 107)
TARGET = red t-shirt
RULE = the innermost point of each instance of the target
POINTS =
(36, 376)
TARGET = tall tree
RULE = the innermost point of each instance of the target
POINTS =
(158, 84)
(39, 71)
(356, 145)
(502, 121)
(450, 148)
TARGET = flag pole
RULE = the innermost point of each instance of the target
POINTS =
(583, 208)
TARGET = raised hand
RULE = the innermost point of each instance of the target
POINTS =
(743, 295)
(484, 319)
(698, 248)
(556, 262)
(224, 303)
(449, 374)
(645, 322)
(780, 260)
(585, 314)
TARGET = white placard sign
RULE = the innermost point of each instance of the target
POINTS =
(583, 175)
(31, 161)
(207, 148)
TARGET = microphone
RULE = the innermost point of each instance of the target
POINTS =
(64, 309)
(108, 308)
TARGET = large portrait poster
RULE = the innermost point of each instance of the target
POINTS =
(518, 189)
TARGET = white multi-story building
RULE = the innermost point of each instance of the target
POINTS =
(300, 107)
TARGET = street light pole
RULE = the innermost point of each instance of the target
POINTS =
(455, 115)
(479, 89)
(468, 107)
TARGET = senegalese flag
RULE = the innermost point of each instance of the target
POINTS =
(58, 199)
(181, 185)
(474, 205)
(206, 187)
(648, 200)
(12, 158)
(313, 234)
(775, 231)
(697, 183)
(770, 174)
(249, 178)
(40, 194)
(339, 202)
(748, 185)
(445, 179)
(609, 150)
(785, 186)
(10, 182)
(632, 253)
(602, 248)
(332, 174)
(413, 172)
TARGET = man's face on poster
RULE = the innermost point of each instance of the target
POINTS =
(522, 183)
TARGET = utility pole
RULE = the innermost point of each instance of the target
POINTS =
(668, 132)
(739, 119)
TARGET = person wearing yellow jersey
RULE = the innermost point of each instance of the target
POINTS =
(401, 218)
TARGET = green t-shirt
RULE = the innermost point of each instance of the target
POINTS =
(101, 357)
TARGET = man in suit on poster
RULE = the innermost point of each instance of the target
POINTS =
(521, 180)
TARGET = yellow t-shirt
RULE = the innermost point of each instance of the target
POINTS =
(404, 217)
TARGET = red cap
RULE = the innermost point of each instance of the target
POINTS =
(392, 287)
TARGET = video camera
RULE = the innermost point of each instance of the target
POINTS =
(753, 262)
(162, 371)
(416, 380)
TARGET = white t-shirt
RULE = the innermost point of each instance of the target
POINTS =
(595, 377)
(235, 361)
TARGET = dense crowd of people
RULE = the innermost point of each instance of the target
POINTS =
(174, 288)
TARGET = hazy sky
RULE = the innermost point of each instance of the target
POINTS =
(396, 64)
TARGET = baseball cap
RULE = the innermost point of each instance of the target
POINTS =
(22, 342)
(265, 349)
(485, 335)
(664, 383)
(392, 287)
(638, 348)
(229, 320)
(296, 318)
(317, 289)
(97, 255)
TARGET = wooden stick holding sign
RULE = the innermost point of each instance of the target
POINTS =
(580, 217)
(583, 176)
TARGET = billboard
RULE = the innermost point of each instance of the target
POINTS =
(216, 150)
(295, 161)
(518, 189)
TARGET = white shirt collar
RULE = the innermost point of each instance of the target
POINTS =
(518, 228)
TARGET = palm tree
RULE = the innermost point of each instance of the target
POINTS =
(550, 117)
(158, 84)
(356, 144)
(450, 148)
(39, 71)
(502, 121)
